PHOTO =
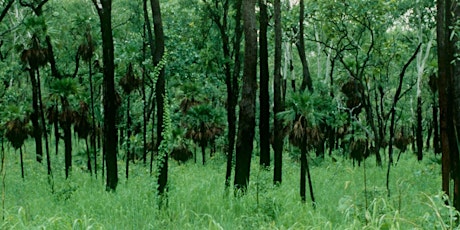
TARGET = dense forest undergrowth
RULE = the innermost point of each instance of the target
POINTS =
(197, 199)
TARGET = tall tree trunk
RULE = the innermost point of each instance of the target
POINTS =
(232, 96)
(455, 98)
(306, 79)
(66, 124)
(436, 141)
(393, 115)
(246, 125)
(444, 72)
(160, 90)
(278, 106)
(264, 98)
(42, 116)
(110, 107)
(93, 118)
(37, 131)
(128, 136)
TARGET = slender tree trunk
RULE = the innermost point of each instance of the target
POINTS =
(393, 116)
(278, 106)
(264, 98)
(246, 126)
(160, 90)
(306, 79)
(110, 107)
(128, 136)
(303, 170)
(88, 157)
(232, 96)
(419, 131)
(37, 131)
(436, 141)
(42, 117)
(66, 125)
(22, 162)
(93, 118)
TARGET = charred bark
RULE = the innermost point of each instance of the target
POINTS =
(246, 125)
(264, 99)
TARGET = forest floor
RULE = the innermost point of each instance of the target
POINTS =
(197, 198)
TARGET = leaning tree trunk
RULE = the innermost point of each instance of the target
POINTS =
(110, 107)
(246, 125)
(264, 98)
(277, 106)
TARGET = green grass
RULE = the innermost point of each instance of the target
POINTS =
(197, 199)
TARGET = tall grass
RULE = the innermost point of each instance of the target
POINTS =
(197, 199)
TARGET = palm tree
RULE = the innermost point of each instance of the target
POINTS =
(205, 123)
(129, 83)
(35, 57)
(16, 131)
(304, 113)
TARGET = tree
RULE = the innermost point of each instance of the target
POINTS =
(158, 55)
(306, 79)
(264, 98)
(104, 10)
(246, 125)
(454, 97)
(277, 102)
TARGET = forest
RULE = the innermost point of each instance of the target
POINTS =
(230, 114)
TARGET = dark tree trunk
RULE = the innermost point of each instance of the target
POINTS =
(444, 72)
(455, 101)
(264, 99)
(393, 115)
(93, 118)
(246, 125)
(67, 128)
(110, 106)
(303, 170)
(160, 91)
(278, 106)
(88, 157)
(306, 79)
(419, 130)
(56, 127)
(232, 95)
(42, 117)
(436, 139)
(37, 131)
(128, 136)
(22, 162)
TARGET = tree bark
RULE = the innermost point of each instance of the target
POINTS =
(37, 130)
(160, 90)
(306, 79)
(246, 125)
(393, 115)
(264, 99)
(278, 106)
(232, 96)
(110, 107)
(443, 73)
(455, 99)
